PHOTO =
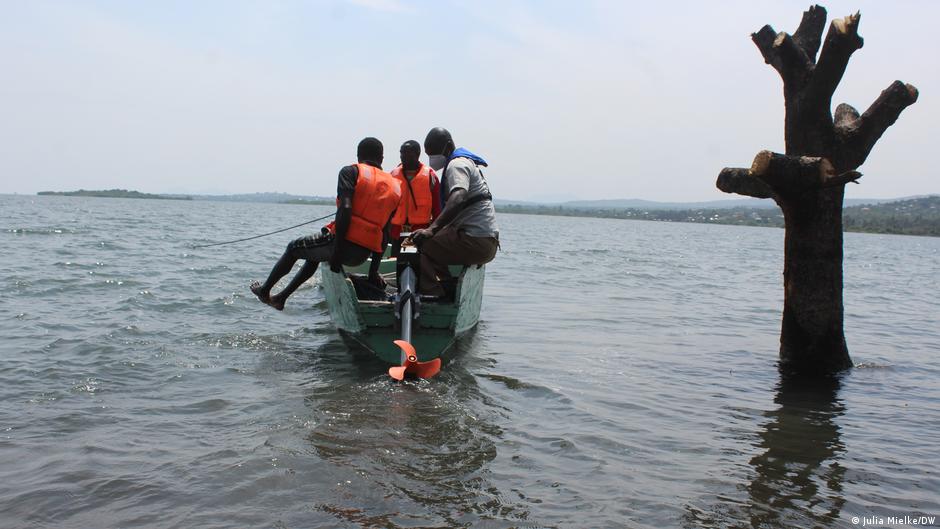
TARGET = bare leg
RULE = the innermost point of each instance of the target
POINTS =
(258, 291)
(281, 268)
(306, 272)
(313, 249)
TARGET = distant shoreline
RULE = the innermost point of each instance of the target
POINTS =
(113, 193)
(918, 216)
(914, 216)
(267, 198)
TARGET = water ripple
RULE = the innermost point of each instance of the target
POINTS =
(627, 379)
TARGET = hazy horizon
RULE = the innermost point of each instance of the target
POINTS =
(605, 99)
(521, 201)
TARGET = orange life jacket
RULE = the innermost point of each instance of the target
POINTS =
(376, 196)
(416, 199)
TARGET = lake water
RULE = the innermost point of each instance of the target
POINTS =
(623, 375)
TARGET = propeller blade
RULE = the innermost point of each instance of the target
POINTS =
(410, 353)
(412, 365)
(426, 369)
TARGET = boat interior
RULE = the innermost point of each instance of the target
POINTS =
(367, 291)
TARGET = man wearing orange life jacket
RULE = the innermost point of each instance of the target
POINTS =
(366, 199)
(420, 191)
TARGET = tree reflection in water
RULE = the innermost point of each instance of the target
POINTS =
(798, 478)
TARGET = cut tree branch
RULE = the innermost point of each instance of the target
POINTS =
(875, 121)
(794, 59)
(842, 40)
(780, 51)
(764, 39)
(809, 35)
(787, 174)
(846, 119)
(739, 180)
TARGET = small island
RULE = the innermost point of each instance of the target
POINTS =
(113, 193)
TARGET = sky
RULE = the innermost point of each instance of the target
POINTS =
(566, 100)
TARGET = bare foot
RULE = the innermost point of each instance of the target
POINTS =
(266, 297)
(276, 302)
(256, 290)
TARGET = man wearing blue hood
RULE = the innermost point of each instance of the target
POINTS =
(465, 233)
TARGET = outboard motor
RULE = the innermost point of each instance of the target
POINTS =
(407, 310)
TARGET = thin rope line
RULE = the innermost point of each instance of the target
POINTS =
(263, 234)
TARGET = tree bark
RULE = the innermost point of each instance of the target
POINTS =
(812, 339)
(808, 181)
(740, 181)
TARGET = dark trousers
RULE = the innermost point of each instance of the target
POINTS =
(313, 249)
(452, 247)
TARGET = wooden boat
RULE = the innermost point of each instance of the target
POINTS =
(376, 324)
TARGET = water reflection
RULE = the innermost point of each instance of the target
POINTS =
(420, 449)
(798, 478)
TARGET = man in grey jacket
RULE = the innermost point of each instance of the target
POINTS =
(465, 233)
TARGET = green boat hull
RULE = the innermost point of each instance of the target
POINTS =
(373, 323)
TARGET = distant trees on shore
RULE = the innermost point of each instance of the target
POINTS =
(113, 193)
(918, 216)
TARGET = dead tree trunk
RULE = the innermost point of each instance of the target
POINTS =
(808, 182)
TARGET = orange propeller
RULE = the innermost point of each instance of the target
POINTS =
(412, 365)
